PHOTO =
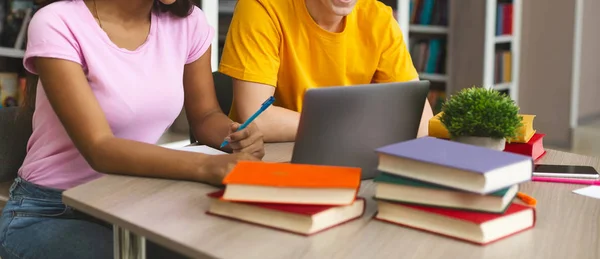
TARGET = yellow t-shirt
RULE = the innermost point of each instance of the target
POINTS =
(277, 43)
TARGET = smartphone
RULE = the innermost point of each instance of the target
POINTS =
(566, 171)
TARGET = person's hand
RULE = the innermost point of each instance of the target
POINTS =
(218, 166)
(248, 140)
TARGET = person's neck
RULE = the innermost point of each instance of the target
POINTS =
(326, 20)
(123, 12)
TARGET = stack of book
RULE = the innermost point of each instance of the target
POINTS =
(453, 189)
(297, 198)
(529, 142)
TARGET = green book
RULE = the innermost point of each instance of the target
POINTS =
(401, 189)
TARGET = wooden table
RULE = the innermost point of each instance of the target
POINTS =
(172, 213)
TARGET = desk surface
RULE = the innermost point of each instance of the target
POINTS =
(172, 213)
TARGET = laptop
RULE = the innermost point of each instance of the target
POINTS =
(343, 125)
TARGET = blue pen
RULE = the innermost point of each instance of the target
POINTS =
(263, 107)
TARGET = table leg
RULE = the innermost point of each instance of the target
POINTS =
(128, 245)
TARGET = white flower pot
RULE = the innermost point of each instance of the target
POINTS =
(491, 143)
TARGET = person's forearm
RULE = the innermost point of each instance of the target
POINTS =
(121, 156)
(425, 117)
(278, 124)
(213, 129)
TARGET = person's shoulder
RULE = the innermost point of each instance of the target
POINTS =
(59, 17)
(195, 16)
(374, 11)
(63, 10)
(196, 13)
(183, 25)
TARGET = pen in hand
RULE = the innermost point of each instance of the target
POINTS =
(263, 107)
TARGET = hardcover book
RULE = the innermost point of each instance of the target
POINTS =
(299, 219)
(437, 128)
(292, 183)
(525, 132)
(475, 227)
(401, 189)
(534, 148)
(455, 165)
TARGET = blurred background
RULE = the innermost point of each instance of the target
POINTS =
(543, 54)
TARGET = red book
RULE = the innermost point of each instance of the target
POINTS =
(475, 227)
(508, 19)
(294, 218)
(533, 148)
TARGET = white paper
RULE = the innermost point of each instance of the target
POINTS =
(590, 191)
(202, 149)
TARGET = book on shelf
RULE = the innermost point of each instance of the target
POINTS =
(428, 55)
(504, 19)
(299, 219)
(474, 227)
(503, 66)
(292, 183)
(456, 165)
(429, 12)
(406, 190)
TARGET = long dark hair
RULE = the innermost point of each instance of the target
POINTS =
(180, 8)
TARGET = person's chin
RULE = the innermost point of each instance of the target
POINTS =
(343, 7)
(167, 2)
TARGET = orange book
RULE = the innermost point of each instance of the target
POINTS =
(292, 183)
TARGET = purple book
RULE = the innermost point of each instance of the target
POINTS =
(466, 167)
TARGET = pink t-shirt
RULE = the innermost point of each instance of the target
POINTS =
(140, 92)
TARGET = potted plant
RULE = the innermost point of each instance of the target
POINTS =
(481, 117)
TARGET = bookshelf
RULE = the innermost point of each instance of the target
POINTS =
(430, 29)
(500, 40)
(426, 29)
(474, 37)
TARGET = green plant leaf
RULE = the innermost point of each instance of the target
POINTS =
(481, 112)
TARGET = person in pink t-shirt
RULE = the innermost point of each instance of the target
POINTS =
(114, 75)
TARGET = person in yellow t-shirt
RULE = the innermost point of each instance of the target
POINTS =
(282, 48)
